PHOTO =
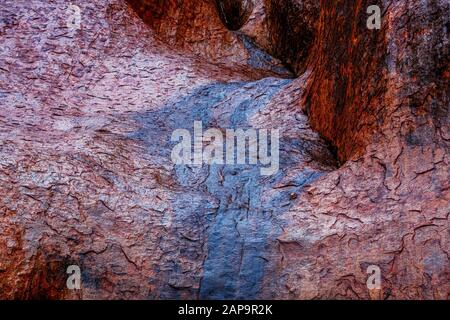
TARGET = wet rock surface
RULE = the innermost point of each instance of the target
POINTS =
(86, 176)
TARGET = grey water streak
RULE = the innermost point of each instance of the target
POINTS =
(239, 228)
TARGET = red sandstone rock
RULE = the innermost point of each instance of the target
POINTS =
(85, 171)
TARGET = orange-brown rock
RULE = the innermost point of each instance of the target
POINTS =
(86, 176)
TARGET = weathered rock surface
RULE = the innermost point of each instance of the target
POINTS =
(86, 176)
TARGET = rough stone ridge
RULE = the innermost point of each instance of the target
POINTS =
(86, 177)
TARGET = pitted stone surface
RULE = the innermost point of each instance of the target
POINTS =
(86, 176)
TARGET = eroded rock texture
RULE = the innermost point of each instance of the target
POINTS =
(86, 177)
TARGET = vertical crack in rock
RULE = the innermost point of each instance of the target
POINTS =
(292, 30)
(234, 13)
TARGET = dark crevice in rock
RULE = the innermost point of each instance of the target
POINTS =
(261, 60)
(234, 13)
(292, 30)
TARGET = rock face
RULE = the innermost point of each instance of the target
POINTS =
(86, 175)
(234, 13)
